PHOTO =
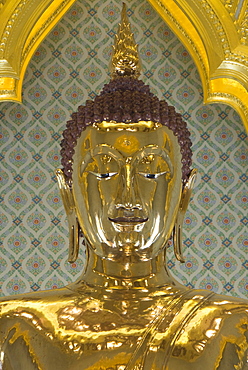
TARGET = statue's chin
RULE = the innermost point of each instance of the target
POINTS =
(127, 244)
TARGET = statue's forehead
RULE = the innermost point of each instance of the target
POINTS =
(126, 141)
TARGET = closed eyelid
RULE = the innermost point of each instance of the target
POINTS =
(153, 150)
(102, 149)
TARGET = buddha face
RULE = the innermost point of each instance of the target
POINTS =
(127, 188)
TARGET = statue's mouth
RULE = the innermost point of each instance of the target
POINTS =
(128, 220)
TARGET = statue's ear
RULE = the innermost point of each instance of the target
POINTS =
(70, 209)
(184, 202)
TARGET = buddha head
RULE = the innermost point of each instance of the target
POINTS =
(126, 180)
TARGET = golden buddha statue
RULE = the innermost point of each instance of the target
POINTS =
(126, 184)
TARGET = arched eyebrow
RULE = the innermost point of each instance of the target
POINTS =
(107, 150)
(154, 150)
(103, 149)
(137, 157)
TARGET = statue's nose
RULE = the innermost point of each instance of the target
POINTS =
(128, 207)
(128, 198)
(127, 203)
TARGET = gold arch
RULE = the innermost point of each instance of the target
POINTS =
(215, 32)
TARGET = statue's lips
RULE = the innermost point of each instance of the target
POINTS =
(128, 220)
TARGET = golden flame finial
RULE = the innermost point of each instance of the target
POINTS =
(125, 60)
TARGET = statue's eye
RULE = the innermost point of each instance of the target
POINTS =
(106, 175)
(152, 175)
(153, 166)
(102, 166)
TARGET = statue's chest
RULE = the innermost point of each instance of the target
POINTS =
(104, 340)
(97, 336)
(98, 340)
(28, 349)
(126, 348)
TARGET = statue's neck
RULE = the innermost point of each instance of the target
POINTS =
(127, 273)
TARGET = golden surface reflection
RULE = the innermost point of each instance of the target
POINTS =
(127, 193)
(77, 331)
(125, 312)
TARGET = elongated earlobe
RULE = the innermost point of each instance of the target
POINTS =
(178, 228)
(74, 232)
(69, 205)
(177, 241)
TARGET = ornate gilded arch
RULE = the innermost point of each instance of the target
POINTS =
(215, 32)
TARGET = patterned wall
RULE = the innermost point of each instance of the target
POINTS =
(69, 67)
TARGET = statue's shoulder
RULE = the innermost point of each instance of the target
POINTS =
(227, 305)
(210, 323)
(36, 321)
(209, 307)
(29, 303)
(226, 299)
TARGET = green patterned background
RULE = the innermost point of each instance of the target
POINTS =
(71, 66)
